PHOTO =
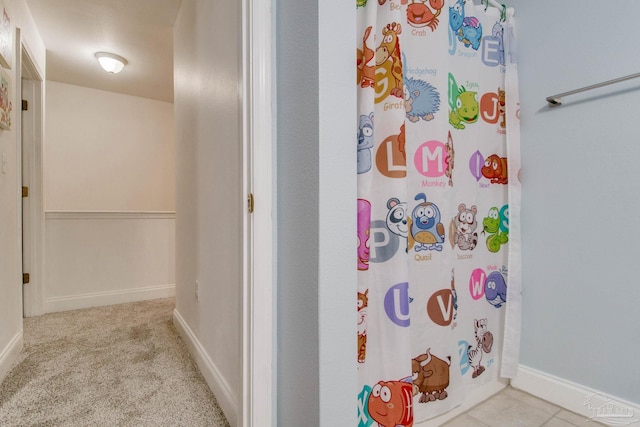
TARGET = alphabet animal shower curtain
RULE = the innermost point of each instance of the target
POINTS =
(438, 206)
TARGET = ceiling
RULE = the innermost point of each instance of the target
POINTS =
(139, 30)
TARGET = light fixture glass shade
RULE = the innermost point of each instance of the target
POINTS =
(111, 62)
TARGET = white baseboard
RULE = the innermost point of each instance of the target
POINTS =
(98, 299)
(209, 370)
(473, 398)
(575, 397)
(10, 354)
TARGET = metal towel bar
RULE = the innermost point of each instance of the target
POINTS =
(555, 100)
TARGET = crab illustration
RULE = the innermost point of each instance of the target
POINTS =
(420, 15)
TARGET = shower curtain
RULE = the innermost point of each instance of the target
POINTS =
(438, 164)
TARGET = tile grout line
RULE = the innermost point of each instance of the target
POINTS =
(477, 420)
(553, 416)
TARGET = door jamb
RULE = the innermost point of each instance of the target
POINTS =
(33, 294)
(259, 324)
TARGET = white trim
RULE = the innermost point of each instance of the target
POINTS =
(472, 398)
(209, 370)
(566, 394)
(20, 259)
(98, 299)
(9, 354)
(65, 215)
(33, 293)
(259, 255)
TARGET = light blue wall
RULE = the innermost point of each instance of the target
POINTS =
(580, 294)
(316, 202)
(297, 201)
(581, 193)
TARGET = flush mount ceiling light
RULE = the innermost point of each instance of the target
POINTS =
(110, 62)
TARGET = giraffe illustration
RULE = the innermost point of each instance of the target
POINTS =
(388, 64)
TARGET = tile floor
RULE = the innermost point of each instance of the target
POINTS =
(515, 408)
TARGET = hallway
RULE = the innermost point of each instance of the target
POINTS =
(116, 365)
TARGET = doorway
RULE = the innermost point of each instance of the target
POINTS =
(30, 125)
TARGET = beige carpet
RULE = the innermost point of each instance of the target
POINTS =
(121, 365)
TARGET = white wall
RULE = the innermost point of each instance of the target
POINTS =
(107, 151)
(10, 182)
(209, 201)
(97, 258)
(580, 195)
(109, 185)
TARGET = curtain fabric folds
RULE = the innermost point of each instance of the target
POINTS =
(438, 206)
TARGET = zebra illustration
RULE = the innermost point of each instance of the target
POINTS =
(484, 342)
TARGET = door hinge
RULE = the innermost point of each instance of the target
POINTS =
(250, 202)
(25, 278)
(25, 191)
(25, 105)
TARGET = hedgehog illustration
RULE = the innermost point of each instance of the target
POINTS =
(421, 100)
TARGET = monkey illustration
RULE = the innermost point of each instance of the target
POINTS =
(450, 159)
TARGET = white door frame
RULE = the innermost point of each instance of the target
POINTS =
(30, 137)
(259, 326)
